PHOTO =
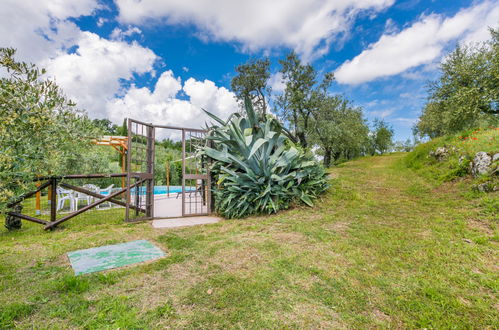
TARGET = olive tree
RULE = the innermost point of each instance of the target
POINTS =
(466, 93)
(40, 129)
(339, 129)
(251, 81)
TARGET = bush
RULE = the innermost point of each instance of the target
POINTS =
(257, 168)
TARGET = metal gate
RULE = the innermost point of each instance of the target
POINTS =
(196, 191)
(140, 171)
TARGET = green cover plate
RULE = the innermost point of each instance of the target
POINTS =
(113, 256)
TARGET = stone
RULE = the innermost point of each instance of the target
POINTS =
(13, 222)
(484, 187)
(495, 157)
(481, 164)
(440, 153)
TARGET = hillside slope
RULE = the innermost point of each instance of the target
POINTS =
(449, 157)
(384, 248)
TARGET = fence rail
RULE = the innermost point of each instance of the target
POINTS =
(53, 183)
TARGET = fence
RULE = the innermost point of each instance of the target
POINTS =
(59, 199)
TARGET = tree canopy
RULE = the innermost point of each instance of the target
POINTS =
(251, 81)
(40, 129)
(466, 93)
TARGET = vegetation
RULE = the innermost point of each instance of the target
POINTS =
(251, 82)
(301, 95)
(384, 248)
(466, 94)
(312, 116)
(340, 129)
(257, 168)
(381, 137)
(462, 148)
(41, 131)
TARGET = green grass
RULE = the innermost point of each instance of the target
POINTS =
(385, 247)
(465, 144)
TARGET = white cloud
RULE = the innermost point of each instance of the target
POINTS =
(421, 43)
(308, 26)
(37, 28)
(91, 75)
(161, 106)
(277, 83)
(119, 34)
(101, 21)
(382, 113)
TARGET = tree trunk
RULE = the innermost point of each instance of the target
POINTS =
(327, 157)
(302, 138)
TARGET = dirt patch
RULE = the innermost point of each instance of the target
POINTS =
(481, 225)
(339, 227)
(311, 316)
(241, 261)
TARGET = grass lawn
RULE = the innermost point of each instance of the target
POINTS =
(384, 248)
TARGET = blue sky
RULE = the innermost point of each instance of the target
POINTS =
(162, 60)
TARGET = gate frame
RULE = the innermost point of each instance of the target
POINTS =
(185, 176)
(149, 175)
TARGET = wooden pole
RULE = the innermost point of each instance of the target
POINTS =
(123, 166)
(49, 194)
(38, 210)
(53, 201)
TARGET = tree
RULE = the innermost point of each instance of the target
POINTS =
(251, 81)
(40, 129)
(339, 129)
(381, 137)
(299, 100)
(401, 146)
(465, 96)
(106, 126)
(122, 130)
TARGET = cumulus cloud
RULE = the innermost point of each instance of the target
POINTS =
(276, 82)
(38, 28)
(421, 43)
(119, 34)
(91, 75)
(308, 26)
(160, 105)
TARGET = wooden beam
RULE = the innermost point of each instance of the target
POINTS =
(93, 194)
(88, 207)
(29, 194)
(29, 218)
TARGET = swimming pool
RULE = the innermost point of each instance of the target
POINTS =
(161, 190)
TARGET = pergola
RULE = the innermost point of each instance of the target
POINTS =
(120, 143)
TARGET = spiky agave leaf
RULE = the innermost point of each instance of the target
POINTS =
(258, 169)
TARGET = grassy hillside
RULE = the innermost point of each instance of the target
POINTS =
(464, 145)
(385, 247)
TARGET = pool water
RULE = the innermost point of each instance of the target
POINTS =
(161, 190)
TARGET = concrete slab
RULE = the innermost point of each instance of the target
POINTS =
(184, 222)
(113, 256)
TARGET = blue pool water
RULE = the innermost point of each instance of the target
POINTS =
(161, 190)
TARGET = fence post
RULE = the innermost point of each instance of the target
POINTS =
(53, 200)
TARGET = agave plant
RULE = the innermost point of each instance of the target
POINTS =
(257, 167)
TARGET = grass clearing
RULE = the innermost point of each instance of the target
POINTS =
(385, 247)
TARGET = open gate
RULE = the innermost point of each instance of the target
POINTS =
(140, 171)
(196, 192)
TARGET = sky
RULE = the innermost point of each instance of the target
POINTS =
(161, 61)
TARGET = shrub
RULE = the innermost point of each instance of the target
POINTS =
(257, 168)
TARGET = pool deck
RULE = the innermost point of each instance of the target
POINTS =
(171, 207)
(184, 222)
